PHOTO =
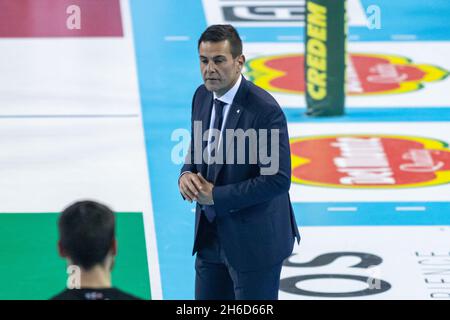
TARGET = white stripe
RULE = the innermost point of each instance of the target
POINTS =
(177, 38)
(289, 38)
(353, 37)
(149, 225)
(342, 209)
(410, 209)
(403, 37)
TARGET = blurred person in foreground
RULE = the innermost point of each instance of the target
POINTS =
(87, 241)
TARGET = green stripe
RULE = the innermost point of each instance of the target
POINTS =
(30, 267)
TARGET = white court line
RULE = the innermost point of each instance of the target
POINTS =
(31, 212)
(149, 224)
(410, 208)
(177, 38)
(403, 37)
(289, 38)
(349, 209)
(43, 116)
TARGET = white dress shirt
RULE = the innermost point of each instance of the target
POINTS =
(227, 98)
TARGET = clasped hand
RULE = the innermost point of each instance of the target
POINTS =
(194, 187)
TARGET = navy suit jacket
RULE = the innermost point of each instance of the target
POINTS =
(255, 220)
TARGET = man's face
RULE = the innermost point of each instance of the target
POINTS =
(219, 70)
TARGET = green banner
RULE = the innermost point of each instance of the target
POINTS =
(325, 57)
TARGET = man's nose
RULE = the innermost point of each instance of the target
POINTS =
(211, 67)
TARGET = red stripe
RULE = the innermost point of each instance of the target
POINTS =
(48, 18)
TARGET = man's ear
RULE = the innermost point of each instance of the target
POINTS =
(241, 61)
(62, 253)
(114, 247)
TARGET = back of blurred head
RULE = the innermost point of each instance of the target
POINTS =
(87, 235)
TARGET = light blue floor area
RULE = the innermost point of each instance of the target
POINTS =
(372, 214)
(168, 76)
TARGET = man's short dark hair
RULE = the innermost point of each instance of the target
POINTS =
(221, 32)
(86, 231)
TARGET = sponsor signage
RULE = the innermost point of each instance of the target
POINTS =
(367, 74)
(269, 13)
(370, 161)
(369, 263)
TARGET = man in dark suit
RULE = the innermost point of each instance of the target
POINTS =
(244, 222)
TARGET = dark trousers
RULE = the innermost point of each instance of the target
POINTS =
(216, 279)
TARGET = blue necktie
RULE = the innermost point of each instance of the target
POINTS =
(211, 169)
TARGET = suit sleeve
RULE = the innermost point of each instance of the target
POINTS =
(189, 165)
(233, 197)
(189, 160)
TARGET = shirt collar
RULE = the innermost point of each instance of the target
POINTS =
(228, 97)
